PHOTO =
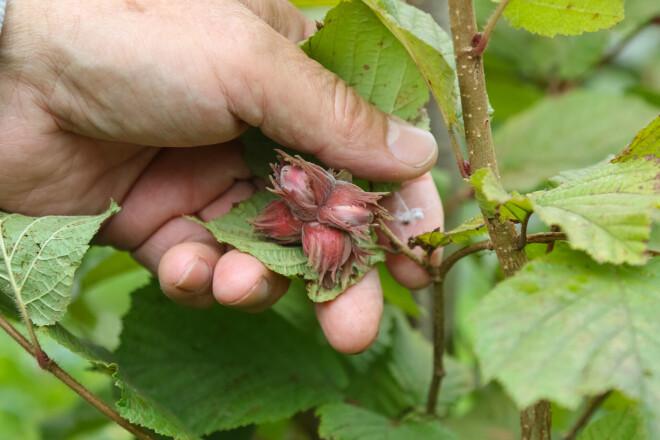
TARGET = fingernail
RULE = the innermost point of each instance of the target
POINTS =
(258, 293)
(196, 275)
(411, 145)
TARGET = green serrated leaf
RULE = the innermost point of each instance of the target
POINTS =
(431, 49)
(135, 403)
(460, 234)
(568, 17)
(646, 144)
(616, 425)
(397, 379)
(608, 212)
(494, 200)
(217, 368)
(40, 256)
(568, 175)
(142, 409)
(288, 260)
(535, 56)
(341, 421)
(357, 47)
(574, 130)
(580, 328)
(99, 356)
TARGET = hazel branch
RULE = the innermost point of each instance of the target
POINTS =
(551, 245)
(76, 386)
(438, 346)
(463, 165)
(400, 246)
(481, 40)
(523, 230)
(448, 263)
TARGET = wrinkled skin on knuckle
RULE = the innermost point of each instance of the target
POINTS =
(100, 85)
(354, 116)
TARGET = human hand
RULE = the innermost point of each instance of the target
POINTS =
(99, 95)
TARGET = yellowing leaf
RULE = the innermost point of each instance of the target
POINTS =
(460, 234)
(607, 213)
(566, 326)
(569, 17)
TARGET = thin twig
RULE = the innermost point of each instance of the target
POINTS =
(612, 54)
(448, 263)
(482, 40)
(546, 237)
(523, 230)
(381, 247)
(551, 245)
(399, 245)
(438, 346)
(76, 386)
(452, 259)
(586, 415)
(456, 148)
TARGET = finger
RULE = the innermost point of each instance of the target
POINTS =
(351, 321)
(180, 230)
(300, 104)
(177, 182)
(416, 208)
(243, 282)
(185, 273)
(184, 253)
(284, 17)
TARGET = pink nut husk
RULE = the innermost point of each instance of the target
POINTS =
(278, 222)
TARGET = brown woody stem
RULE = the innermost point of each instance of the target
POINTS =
(438, 346)
(69, 381)
(522, 242)
(536, 421)
(479, 139)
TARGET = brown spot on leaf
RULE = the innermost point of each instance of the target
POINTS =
(366, 67)
(652, 158)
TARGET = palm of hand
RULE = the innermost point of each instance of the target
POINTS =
(91, 124)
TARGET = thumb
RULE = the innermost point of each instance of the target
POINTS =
(300, 104)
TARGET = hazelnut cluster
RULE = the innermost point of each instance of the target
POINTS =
(329, 215)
